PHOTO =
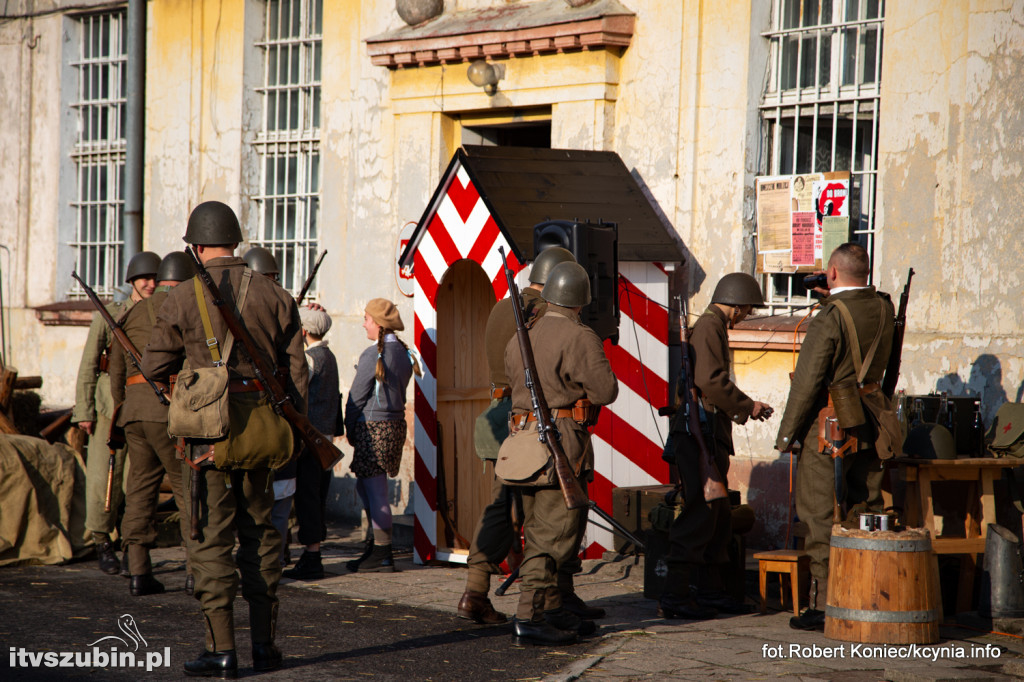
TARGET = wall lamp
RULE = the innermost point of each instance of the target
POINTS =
(485, 75)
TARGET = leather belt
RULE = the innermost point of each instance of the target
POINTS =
(499, 392)
(244, 386)
(136, 379)
(583, 412)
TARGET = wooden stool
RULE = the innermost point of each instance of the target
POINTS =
(790, 561)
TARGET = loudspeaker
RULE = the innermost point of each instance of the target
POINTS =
(596, 247)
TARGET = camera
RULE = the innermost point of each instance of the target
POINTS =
(812, 281)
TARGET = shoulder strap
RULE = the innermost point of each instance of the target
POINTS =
(860, 366)
(204, 313)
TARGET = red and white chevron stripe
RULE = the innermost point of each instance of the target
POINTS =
(462, 227)
(627, 443)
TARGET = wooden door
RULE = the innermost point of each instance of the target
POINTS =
(464, 301)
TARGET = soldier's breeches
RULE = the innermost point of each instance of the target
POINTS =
(236, 501)
(150, 453)
(815, 497)
(492, 540)
(97, 519)
(551, 532)
(701, 532)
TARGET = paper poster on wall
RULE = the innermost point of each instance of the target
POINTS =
(831, 198)
(804, 234)
(835, 232)
(773, 214)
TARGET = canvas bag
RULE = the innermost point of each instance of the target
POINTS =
(491, 429)
(199, 403)
(888, 432)
(1008, 431)
(524, 460)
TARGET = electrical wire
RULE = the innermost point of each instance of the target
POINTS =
(639, 356)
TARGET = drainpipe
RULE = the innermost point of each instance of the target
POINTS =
(134, 163)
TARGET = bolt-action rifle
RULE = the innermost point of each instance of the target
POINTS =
(309, 278)
(129, 348)
(547, 432)
(714, 486)
(892, 370)
(321, 446)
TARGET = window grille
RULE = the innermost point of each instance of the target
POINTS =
(288, 143)
(820, 109)
(99, 150)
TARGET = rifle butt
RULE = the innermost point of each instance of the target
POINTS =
(572, 493)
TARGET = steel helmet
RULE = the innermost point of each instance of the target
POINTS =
(142, 264)
(738, 288)
(568, 285)
(546, 260)
(177, 266)
(213, 223)
(262, 261)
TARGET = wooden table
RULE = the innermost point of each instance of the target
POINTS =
(980, 474)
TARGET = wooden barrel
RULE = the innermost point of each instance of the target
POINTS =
(883, 587)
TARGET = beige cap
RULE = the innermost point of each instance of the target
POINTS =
(385, 313)
(315, 322)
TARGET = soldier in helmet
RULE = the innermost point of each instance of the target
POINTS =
(827, 357)
(495, 532)
(262, 260)
(94, 409)
(699, 536)
(576, 378)
(151, 451)
(233, 500)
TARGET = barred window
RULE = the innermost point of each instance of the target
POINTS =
(820, 109)
(99, 150)
(288, 144)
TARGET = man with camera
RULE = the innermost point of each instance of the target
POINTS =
(832, 366)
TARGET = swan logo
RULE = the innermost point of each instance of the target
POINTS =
(123, 652)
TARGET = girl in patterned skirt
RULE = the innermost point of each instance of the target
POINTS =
(375, 425)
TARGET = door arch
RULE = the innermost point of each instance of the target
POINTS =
(465, 297)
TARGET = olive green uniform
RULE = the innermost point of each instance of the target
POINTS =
(571, 365)
(826, 357)
(233, 500)
(495, 531)
(94, 403)
(701, 532)
(151, 451)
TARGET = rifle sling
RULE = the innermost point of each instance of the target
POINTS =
(204, 313)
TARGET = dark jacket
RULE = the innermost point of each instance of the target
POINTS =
(368, 403)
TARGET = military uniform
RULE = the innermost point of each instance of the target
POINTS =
(826, 357)
(150, 450)
(233, 500)
(701, 532)
(495, 531)
(571, 365)
(94, 403)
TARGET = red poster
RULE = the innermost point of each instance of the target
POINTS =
(803, 238)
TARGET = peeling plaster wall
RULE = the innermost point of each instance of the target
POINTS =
(951, 155)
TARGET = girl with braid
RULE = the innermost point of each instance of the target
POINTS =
(375, 425)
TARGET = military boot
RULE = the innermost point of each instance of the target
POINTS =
(564, 620)
(475, 606)
(680, 603)
(541, 632)
(109, 563)
(813, 617)
(576, 606)
(380, 560)
(141, 585)
(308, 567)
(222, 664)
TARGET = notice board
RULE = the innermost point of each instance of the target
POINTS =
(800, 219)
